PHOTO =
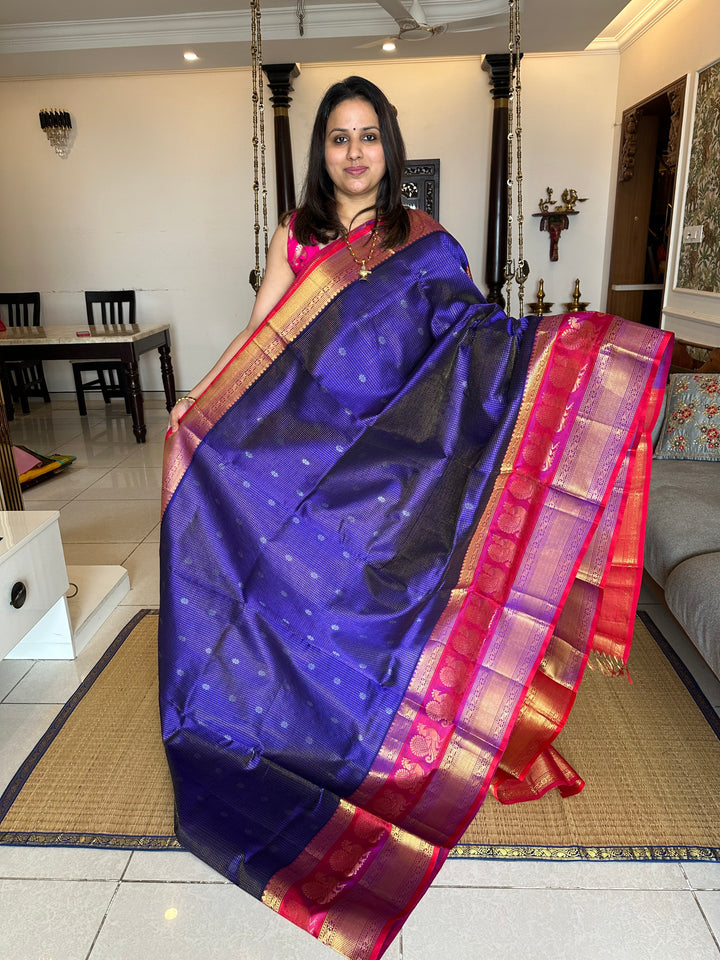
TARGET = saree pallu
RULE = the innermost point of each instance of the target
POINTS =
(396, 529)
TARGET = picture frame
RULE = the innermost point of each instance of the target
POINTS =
(698, 256)
(421, 186)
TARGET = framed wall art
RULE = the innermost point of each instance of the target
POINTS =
(421, 186)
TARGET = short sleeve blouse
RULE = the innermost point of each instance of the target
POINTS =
(299, 256)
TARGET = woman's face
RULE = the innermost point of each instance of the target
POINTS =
(354, 156)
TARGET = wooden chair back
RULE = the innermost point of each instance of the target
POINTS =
(114, 307)
(22, 309)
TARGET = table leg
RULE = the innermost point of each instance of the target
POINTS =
(136, 400)
(168, 377)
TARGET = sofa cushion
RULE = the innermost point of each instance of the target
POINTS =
(683, 518)
(691, 593)
(691, 427)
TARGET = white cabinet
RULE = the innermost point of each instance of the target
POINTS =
(34, 618)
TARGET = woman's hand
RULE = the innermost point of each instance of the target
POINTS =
(181, 407)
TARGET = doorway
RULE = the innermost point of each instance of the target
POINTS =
(649, 149)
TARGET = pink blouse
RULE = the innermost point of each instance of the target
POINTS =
(299, 256)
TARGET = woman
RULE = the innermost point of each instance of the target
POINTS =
(354, 169)
(397, 524)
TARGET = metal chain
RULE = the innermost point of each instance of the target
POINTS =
(522, 268)
(258, 141)
(300, 12)
(509, 264)
(519, 273)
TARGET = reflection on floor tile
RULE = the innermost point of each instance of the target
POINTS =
(22, 726)
(154, 535)
(97, 554)
(68, 483)
(558, 925)
(55, 919)
(127, 483)
(11, 672)
(49, 681)
(143, 567)
(107, 520)
(149, 454)
(186, 921)
(47, 503)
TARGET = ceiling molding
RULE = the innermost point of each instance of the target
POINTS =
(601, 51)
(278, 23)
(630, 25)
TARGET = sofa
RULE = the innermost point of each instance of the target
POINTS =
(682, 537)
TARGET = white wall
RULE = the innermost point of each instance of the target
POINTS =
(568, 141)
(155, 196)
(685, 41)
(157, 191)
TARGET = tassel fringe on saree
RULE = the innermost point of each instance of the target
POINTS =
(397, 528)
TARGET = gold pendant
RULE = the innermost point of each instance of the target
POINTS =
(364, 273)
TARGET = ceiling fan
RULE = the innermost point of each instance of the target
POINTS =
(413, 23)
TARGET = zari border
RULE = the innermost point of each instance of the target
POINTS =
(327, 276)
(625, 854)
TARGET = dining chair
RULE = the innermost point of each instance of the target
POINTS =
(115, 308)
(24, 378)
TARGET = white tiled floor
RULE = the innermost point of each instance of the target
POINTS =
(70, 904)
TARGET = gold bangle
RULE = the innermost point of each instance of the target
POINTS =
(180, 399)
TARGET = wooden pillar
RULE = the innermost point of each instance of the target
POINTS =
(280, 77)
(498, 66)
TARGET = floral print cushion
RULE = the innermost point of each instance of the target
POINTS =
(691, 429)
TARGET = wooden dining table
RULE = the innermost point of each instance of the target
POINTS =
(123, 343)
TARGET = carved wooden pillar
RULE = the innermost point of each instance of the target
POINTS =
(498, 66)
(280, 77)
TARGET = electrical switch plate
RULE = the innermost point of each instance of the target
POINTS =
(693, 234)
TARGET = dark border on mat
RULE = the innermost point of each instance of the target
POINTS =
(462, 851)
(11, 792)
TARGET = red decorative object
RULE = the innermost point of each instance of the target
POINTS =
(554, 224)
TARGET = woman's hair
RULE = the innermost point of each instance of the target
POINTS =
(316, 219)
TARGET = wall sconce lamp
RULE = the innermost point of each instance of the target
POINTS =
(555, 220)
(57, 126)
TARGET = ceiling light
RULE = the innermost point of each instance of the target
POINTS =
(191, 56)
(389, 46)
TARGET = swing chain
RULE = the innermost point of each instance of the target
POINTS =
(520, 272)
(258, 141)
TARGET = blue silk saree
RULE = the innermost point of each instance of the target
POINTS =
(397, 527)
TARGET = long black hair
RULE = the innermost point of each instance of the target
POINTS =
(316, 218)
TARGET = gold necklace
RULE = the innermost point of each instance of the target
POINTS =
(363, 272)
